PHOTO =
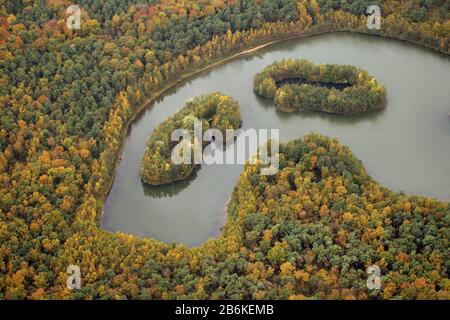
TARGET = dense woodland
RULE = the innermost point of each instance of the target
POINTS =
(299, 85)
(66, 97)
(212, 111)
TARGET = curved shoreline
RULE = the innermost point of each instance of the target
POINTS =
(185, 77)
(160, 93)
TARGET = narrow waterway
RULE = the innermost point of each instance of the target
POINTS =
(405, 147)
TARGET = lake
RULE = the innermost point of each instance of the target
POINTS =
(405, 147)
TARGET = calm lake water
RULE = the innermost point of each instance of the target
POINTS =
(405, 147)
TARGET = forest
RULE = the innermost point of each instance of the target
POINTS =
(212, 111)
(299, 85)
(68, 96)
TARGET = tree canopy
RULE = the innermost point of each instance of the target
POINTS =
(67, 97)
(299, 85)
(215, 111)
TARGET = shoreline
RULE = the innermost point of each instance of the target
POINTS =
(146, 103)
(160, 93)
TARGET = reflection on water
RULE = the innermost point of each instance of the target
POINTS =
(168, 190)
(332, 118)
(405, 146)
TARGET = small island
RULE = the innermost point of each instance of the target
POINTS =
(214, 110)
(298, 85)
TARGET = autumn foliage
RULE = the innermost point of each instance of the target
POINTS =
(299, 85)
(213, 111)
(67, 97)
